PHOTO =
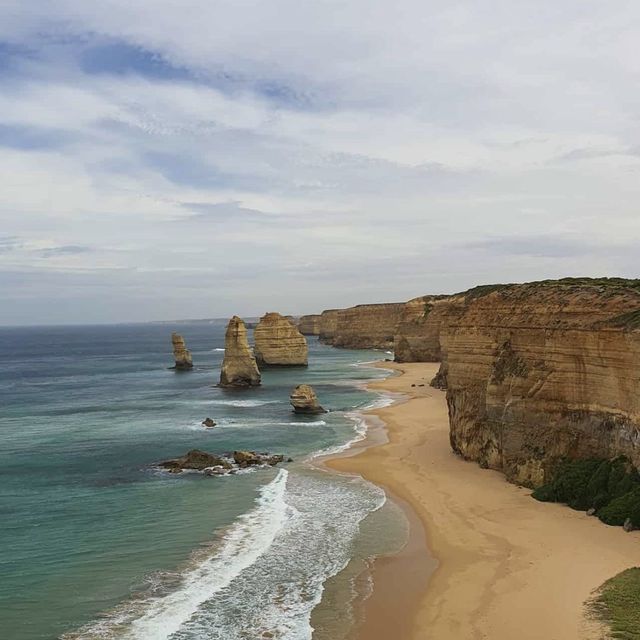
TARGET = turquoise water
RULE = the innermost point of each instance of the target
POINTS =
(97, 543)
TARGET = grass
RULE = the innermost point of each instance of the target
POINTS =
(617, 604)
(610, 284)
(611, 487)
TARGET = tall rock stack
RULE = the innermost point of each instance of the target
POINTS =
(181, 354)
(279, 343)
(239, 367)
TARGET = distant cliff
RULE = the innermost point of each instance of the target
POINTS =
(543, 371)
(309, 325)
(417, 336)
(327, 325)
(365, 326)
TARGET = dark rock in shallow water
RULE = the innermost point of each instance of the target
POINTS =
(208, 422)
(196, 459)
(218, 465)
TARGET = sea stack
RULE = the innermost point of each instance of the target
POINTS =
(181, 354)
(304, 400)
(239, 368)
(279, 343)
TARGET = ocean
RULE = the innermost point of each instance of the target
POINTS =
(97, 542)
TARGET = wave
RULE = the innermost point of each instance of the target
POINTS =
(237, 403)
(158, 618)
(217, 349)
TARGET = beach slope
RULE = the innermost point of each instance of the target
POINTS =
(508, 566)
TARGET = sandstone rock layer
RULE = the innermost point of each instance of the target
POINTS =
(279, 343)
(309, 325)
(181, 354)
(239, 367)
(365, 326)
(543, 371)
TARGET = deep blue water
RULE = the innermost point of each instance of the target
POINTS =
(94, 538)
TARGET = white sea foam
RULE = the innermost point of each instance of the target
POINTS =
(158, 618)
(218, 349)
(240, 403)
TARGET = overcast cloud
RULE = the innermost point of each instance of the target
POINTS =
(196, 159)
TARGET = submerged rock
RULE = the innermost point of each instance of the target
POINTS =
(208, 422)
(239, 368)
(181, 354)
(279, 343)
(304, 400)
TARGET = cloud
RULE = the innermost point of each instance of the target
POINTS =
(204, 155)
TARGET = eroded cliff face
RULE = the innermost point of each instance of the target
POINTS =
(368, 326)
(417, 336)
(365, 326)
(544, 371)
(309, 325)
(239, 368)
(327, 325)
(278, 342)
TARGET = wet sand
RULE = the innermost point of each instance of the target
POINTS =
(507, 566)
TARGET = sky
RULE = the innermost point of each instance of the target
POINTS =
(197, 158)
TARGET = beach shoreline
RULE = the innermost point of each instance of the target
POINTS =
(507, 565)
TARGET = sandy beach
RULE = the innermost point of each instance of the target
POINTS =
(507, 566)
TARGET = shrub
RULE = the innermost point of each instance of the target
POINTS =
(611, 487)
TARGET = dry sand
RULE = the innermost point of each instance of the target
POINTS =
(510, 568)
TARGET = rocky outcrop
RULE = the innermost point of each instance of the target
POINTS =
(181, 354)
(309, 325)
(544, 371)
(304, 400)
(365, 326)
(279, 343)
(215, 465)
(239, 368)
(327, 325)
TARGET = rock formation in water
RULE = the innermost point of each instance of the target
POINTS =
(304, 400)
(209, 423)
(309, 325)
(540, 372)
(216, 465)
(239, 368)
(181, 354)
(279, 343)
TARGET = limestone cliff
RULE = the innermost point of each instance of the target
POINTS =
(544, 371)
(239, 368)
(181, 354)
(279, 343)
(365, 326)
(327, 325)
(417, 336)
(309, 325)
